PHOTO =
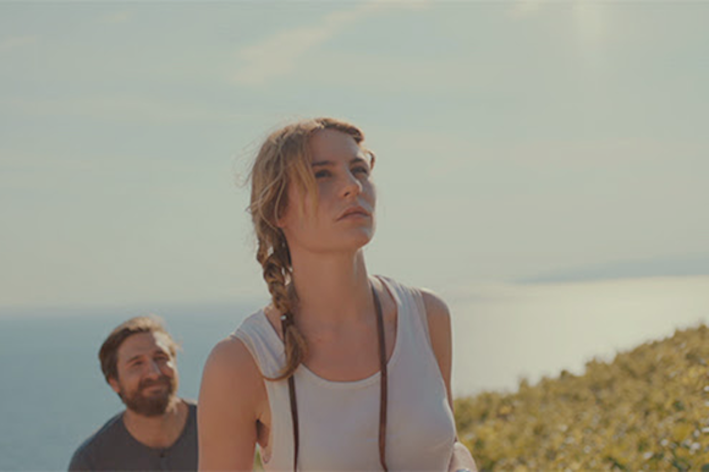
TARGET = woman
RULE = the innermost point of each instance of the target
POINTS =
(342, 371)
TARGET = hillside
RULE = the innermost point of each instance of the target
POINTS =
(645, 410)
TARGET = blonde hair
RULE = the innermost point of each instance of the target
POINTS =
(283, 160)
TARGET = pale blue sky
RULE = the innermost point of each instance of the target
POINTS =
(515, 139)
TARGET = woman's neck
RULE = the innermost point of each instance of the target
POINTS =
(331, 289)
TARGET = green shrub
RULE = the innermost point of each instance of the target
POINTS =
(645, 410)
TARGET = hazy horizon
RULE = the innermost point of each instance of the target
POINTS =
(502, 332)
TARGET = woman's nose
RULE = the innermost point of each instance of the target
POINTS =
(352, 185)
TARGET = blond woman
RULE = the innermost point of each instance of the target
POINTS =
(343, 370)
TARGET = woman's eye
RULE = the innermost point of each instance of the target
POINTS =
(361, 170)
(322, 173)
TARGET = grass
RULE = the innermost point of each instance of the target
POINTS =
(645, 410)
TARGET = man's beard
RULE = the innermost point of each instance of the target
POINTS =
(153, 405)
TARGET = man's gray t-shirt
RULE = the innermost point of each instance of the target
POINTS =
(113, 448)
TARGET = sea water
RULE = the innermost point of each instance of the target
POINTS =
(53, 395)
(52, 391)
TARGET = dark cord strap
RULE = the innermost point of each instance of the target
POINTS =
(286, 321)
(294, 418)
(383, 381)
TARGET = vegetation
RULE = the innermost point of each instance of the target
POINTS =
(645, 410)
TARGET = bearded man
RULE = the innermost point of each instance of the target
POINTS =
(157, 430)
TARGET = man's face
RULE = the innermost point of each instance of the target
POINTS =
(147, 373)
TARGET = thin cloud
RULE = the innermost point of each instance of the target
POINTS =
(16, 42)
(524, 8)
(592, 23)
(125, 108)
(117, 17)
(279, 54)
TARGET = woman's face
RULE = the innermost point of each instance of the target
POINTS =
(343, 219)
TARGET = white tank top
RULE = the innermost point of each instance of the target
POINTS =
(339, 421)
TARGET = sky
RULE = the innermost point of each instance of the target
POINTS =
(518, 143)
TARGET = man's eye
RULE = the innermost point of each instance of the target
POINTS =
(361, 170)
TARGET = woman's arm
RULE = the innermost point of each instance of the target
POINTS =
(229, 400)
(439, 327)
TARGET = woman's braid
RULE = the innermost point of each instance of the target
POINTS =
(282, 161)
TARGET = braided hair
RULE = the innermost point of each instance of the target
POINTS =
(284, 159)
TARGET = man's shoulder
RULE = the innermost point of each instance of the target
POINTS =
(192, 404)
(191, 426)
(112, 447)
(109, 428)
(83, 455)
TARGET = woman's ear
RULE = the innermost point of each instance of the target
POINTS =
(281, 220)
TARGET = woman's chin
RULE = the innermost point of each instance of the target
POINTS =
(353, 243)
(362, 238)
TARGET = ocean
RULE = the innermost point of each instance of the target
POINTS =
(52, 392)
(54, 395)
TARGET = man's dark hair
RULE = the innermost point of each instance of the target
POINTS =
(108, 354)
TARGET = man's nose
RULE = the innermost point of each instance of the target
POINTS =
(153, 369)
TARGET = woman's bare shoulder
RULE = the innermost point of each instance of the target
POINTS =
(232, 381)
(437, 310)
(232, 400)
(230, 359)
(439, 329)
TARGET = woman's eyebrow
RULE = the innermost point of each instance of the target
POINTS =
(321, 163)
(324, 163)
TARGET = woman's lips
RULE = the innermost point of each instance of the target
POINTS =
(355, 212)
